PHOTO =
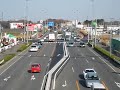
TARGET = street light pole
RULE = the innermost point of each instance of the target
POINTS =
(27, 19)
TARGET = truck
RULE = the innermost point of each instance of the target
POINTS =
(67, 36)
(51, 37)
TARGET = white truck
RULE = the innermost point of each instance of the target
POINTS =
(67, 36)
(51, 37)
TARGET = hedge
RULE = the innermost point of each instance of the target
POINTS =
(107, 53)
(23, 47)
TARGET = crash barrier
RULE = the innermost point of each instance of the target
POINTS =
(59, 70)
(46, 85)
(2, 61)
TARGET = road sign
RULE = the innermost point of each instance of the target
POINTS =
(51, 24)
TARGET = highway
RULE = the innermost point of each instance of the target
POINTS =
(15, 74)
(71, 78)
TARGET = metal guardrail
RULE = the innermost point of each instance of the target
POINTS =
(59, 70)
(46, 85)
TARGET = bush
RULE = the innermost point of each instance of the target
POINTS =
(24, 46)
(8, 57)
(107, 53)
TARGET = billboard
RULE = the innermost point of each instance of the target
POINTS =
(34, 27)
(51, 24)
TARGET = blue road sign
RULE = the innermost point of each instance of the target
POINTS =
(50, 23)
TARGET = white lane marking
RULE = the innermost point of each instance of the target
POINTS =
(48, 64)
(12, 64)
(30, 63)
(75, 57)
(87, 61)
(58, 55)
(33, 77)
(64, 85)
(73, 69)
(44, 55)
(50, 59)
(93, 58)
(29, 56)
(6, 79)
(118, 84)
(103, 60)
(82, 55)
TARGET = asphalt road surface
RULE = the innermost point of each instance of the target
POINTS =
(71, 78)
(17, 77)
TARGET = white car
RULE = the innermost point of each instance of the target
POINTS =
(34, 48)
(91, 78)
(86, 71)
(98, 86)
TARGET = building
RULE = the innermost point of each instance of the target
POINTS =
(16, 25)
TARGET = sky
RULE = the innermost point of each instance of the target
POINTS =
(60, 9)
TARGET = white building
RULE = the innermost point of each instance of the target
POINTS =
(16, 25)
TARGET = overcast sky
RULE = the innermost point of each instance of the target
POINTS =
(62, 9)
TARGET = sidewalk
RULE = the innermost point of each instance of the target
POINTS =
(11, 50)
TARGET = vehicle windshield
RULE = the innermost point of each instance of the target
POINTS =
(33, 46)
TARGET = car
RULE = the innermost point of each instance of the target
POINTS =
(77, 39)
(91, 78)
(86, 71)
(42, 40)
(98, 86)
(70, 44)
(35, 67)
(34, 48)
(82, 44)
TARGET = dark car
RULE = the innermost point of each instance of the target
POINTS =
(82, 44)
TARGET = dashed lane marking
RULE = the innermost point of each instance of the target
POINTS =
(73, 69)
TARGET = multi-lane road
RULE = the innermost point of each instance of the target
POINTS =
(71, 78)
(14, 75)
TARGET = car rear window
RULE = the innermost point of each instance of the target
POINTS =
(33, 46)
(89, 71)
(35, 65)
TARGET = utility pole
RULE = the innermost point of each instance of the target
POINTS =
(27, 19)
(110, 42)
(1, 29)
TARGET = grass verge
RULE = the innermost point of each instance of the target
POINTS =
(23, 47)
(7, 58)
